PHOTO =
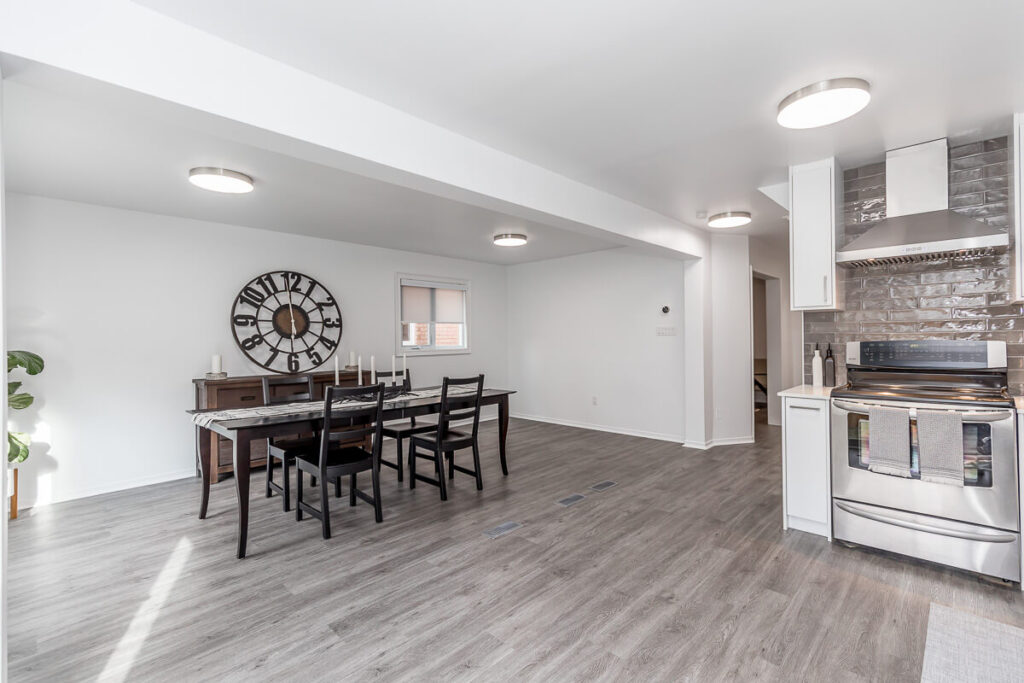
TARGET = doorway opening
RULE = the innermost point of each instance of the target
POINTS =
(766, 350)
(759, 327)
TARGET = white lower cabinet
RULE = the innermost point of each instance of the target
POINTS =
(806, 498)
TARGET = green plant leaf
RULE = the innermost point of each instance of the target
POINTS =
(17, 446)
(20, 401)
(32, 363)
(12, 387)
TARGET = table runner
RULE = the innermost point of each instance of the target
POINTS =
(305, 407)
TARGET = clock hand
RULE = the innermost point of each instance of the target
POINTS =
(292, 314)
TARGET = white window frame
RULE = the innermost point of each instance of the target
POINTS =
(435, 282)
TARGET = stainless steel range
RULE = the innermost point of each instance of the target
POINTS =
(973, 526)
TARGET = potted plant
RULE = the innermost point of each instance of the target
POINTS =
(18, 442)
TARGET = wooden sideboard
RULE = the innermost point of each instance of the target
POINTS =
(243, 392)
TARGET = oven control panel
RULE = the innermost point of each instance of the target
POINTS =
(940, 354)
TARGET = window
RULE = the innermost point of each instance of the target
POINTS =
(432, 316)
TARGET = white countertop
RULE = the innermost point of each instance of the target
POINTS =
(808, 391)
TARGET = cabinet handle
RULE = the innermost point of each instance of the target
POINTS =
(248, 398)
(824, 287)
(805, 408)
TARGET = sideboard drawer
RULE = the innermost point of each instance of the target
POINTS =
(239, 397)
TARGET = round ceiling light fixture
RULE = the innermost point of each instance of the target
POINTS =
(220, 180)
(729, 219)
(510, 239)
(824, 102)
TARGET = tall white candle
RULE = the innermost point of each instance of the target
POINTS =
(405, 368)
(215, 363)
(351, 358)
(394, 370)
(359, 371)
(337, 371)
(373, 369)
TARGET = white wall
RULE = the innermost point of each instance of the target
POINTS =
(126, 308)
(732, 366)
(584, 326)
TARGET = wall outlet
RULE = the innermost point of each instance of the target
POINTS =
(593, 400)
(664, 331)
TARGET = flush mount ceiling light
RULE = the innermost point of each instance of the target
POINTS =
(824, 102)
(220, 180)
(510, 239)
(729, 219)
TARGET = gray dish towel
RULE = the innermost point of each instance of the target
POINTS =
(940, 435)
(889, 441)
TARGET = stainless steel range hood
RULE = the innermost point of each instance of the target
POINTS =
(919, 225)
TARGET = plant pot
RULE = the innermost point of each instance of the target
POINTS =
(12, 488)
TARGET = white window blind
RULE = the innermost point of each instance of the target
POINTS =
(432, 316)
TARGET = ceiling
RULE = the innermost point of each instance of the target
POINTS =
(72, 138)
(668, 104)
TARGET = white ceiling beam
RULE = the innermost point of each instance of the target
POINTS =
(119, 42)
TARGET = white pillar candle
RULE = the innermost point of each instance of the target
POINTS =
(351, 358)
(337, 371)
(373, 369)
(394, 370)
(405, 368)
(359, 371)
(215, 363)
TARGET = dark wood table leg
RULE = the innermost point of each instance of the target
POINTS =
(503, 432)
(240, 460)
(203, 447)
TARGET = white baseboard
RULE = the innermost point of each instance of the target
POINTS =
(600, 428)
(732, 441)
(113, 487)
(729, 441)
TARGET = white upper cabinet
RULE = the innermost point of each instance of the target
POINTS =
(1017, 193)
(813, 197)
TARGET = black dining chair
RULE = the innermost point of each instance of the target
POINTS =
(344, 452)
(401, 429)
(443, 440)
(290, 389)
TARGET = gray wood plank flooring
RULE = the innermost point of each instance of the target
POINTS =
(680, 572)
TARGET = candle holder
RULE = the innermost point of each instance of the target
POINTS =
(216, 375)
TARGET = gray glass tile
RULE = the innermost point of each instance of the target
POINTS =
(920, 314)
(1006, 311)
(961, 301)
(953, 325)
(955, 275)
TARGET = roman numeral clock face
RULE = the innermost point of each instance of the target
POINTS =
(286, 322)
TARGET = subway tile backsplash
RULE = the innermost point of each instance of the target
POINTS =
(959, 298)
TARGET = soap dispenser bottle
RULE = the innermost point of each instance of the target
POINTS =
(816, 369)
(830, 367)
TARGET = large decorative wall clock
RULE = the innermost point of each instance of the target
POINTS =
(286, 322)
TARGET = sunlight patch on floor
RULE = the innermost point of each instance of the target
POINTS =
(121, 660)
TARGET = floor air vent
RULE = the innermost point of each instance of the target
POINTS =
(502, 529)
(603, 485)
(571, 500)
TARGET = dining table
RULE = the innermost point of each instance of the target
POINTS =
(245, 425)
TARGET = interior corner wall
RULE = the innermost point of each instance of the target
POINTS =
(732, 359)
(584, 343)
(127, 307)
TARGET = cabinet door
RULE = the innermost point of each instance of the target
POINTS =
(812, 235)
(807, 457)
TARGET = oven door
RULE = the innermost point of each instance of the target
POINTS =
(989, 494)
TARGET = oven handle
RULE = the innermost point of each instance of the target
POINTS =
(985, 536)
(973, 416)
